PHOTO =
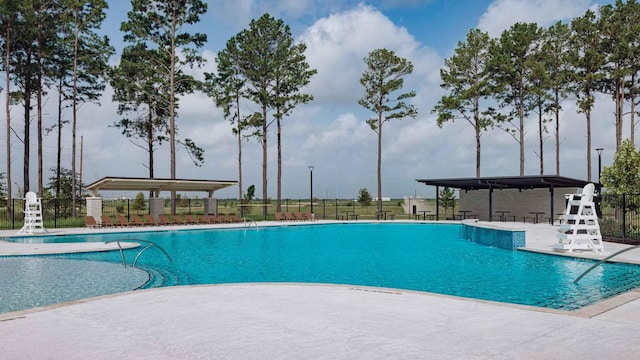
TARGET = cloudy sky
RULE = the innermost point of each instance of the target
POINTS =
(330, 133)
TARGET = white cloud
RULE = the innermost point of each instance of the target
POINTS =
(501, 14)
(338, 44)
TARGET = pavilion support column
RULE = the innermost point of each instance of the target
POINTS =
(437, 202)
(490, 204)
(94, 208)
(551, 216)
(156, 206)
(210, 206)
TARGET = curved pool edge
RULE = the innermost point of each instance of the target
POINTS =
(617, 303)
(369, 289)
(230, 322)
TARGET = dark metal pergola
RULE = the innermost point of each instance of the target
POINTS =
(503, 182)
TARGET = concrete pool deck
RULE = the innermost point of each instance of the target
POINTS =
(302, 321)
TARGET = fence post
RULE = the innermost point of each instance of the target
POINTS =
(56, 212)
(13, 215)
(624, 216)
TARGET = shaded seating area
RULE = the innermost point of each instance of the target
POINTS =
(156, 204)
(508, 198)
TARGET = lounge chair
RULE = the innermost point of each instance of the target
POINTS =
(189, 219)
(279, 216)
(299, 216)
(233, 218)
(204, 219)
(137, 220)
(122, 221)
(222, 219)
(150, 220)
(178, 220)
(90, 222)
(289, 217)
(106, 221)
(308, 216)
(163, 219)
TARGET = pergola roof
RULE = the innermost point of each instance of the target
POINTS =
(506, 182)
(157, 185)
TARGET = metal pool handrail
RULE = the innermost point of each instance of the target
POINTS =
(247, 222)
(604, 260)
(149, 245)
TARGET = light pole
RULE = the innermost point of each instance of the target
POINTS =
(311, 167)
(599, 197)
(599, 150)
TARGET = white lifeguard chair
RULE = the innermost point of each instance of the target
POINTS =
(579, 227)
(32, 215)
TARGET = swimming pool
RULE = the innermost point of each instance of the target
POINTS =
(423, 257)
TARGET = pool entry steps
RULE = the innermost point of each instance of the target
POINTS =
(135, 261)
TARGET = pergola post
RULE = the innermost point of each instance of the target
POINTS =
(490, 203)
(437, 202)
(211, 206)
(94, 207)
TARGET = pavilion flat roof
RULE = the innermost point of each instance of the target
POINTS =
(506, 182)
(157, 185)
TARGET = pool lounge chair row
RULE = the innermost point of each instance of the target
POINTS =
(162, 220)
(308, 216)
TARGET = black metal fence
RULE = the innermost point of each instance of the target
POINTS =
(57, 213)
(620, 220)
(620, 213)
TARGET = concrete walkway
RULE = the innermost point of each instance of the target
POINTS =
(296, 321)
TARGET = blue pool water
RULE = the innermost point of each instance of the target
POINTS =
(424, 257)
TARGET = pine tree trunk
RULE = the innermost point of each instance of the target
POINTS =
(557, 112)
(74, 125)
(239, 156)
(588, 145)
(540, 139)
(7, 64)
(476, 118)
(172, 111)
(150, 147)
(379, 164)
(279, 180)
(264, 163)
(632, 97)
(39, 110)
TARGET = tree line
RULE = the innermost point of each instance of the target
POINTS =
(53, 46)
(527, 73)
(50, 46)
